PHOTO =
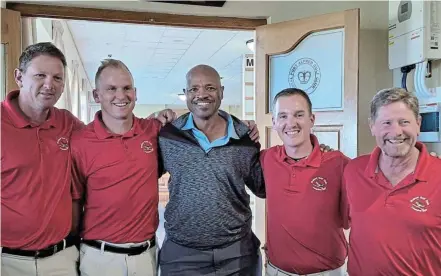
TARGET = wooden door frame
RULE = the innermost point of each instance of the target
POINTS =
(10, 26)
(151, 18)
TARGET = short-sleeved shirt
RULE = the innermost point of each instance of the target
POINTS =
(118, 175)
(305, 209)
(36, 191)
(395, 230)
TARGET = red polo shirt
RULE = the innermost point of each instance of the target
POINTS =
(119, 175)
(304, 206)
(36, 200)
(394, 230)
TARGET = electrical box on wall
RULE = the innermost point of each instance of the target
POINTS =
(414, 32)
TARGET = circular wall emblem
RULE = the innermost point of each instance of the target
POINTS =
(147, 147)
(63, 143)
(305, 74)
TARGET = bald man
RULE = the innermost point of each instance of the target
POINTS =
(211, 160)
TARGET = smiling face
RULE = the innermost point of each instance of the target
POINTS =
(42, 81)
(395, 129)
(116, 93)
(292, 120)
(204, 92)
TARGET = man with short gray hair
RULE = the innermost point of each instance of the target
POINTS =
(36, 195)
(394, 195)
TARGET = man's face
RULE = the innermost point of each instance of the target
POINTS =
(395, 129)
(204, 94)
(292, 120)
(42, 82)
(116, 93)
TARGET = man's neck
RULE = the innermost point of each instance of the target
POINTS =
(300, 151)
(396, 169)
(117, 126)
(213, 127)
(33, 115)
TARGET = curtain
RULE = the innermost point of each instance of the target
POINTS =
(29, 31)
(65, 101)
(75, 89)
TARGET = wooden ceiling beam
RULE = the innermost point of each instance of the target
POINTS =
(92, 14)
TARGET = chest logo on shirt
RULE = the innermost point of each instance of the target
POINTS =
(63, 143)
(147, 147)
(419, 204)
(319, 183)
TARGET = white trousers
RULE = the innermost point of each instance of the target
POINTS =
(95, 262)
(63, 263)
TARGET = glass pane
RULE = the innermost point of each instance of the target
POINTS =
(3, 73)
(316, 66)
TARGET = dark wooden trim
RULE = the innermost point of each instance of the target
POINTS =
(197, 3)
(75, 13)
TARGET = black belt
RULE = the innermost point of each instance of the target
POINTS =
(134, 250)
(45, 252)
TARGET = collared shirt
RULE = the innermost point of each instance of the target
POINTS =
(119, 176)
(36, 196)
(395, 229)
(305, 204)
(203, 139)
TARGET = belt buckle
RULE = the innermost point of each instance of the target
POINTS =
(55, 248)
(148, 244)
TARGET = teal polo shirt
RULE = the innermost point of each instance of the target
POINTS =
(202, 138)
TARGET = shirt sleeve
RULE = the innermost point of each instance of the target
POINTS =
(78, 176)
(255, 181)
(77, 124)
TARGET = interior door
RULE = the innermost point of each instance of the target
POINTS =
(320, 56)
(10, 49)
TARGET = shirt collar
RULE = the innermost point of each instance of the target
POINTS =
(102, 132)
(421, 169)
(231, 131)
(313, 160)
(17, 117)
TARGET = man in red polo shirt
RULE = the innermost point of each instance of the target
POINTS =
(304, 195)
(394, 195)
(116, 165)
(36, 196)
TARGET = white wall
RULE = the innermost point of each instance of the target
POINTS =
(44, 29)
(374, 75)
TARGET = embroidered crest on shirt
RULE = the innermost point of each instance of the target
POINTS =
(63, 143)
(419, 204)
(147, 147)
(319, 183)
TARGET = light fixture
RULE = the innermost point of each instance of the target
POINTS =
(182, 97)
(250, 45)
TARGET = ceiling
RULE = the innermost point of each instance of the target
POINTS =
(159, 56)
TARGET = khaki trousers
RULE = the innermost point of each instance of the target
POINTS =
(272, 270)
(94, 262)
(63, 263)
